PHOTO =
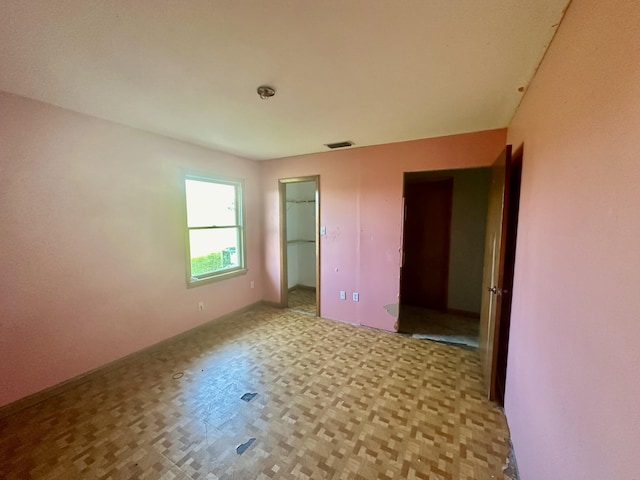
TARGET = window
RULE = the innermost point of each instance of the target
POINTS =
(214, 229)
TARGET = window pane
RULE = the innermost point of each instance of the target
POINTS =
(210, 204)
(213, 250)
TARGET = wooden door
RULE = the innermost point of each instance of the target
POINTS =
(496, 297)
(427, 239)
(512, 193)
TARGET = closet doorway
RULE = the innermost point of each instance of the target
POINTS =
(299, 244)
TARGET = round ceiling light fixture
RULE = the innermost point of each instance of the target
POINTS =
(265, 92)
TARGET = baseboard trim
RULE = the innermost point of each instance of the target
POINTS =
(50, 392)
(302, 287)
(463, 313)
(272, 304)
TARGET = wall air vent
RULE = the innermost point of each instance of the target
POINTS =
(339, 144)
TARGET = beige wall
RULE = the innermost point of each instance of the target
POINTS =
(468, 222)
(361, 208)
(92, 262)
(573, 379)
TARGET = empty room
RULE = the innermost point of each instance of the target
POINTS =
(229, 230)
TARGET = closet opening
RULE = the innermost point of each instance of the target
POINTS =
(299, 240)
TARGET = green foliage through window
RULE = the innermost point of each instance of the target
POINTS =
(211, 263)
(214, 227)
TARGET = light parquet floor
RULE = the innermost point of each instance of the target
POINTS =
(440, 326)
(334, 401)
(303, 300)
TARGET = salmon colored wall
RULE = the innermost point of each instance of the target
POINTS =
(573, 380)
(361, 208)
(92, 261)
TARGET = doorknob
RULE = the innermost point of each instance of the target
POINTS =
(497, 291)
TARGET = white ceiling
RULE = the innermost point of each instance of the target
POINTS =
(370, 71)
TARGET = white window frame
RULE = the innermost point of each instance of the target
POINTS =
(197, 280)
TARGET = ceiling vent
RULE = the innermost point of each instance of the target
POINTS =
(339, 144)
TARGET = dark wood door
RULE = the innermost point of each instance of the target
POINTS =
(502, 218)
(427, 239)
(509, 238)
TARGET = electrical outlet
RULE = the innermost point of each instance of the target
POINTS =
(200, 306)
(343, 295)
(252, 284)
(356, 297)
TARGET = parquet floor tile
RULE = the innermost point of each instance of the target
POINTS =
(439, 326)
(303, 299)
(334, 401)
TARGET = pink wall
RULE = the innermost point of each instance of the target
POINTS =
(573, 381)
(91, 251)
(361, 207)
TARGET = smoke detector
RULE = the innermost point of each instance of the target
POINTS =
(264, 92)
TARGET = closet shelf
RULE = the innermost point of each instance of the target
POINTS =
(292, 242)
(301, 201)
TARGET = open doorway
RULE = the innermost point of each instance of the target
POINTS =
(299, 208)
(443, 251)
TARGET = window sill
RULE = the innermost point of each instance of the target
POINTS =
(196, 282)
